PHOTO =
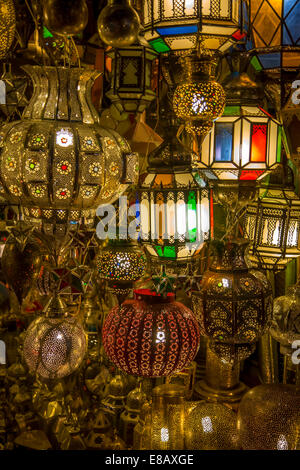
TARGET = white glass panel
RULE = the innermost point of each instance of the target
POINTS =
(181, 217)
(145, 217)
(245, 158)
(206, 7)
(168, 11)
(171, 218)
(224, 9)
(272, 143)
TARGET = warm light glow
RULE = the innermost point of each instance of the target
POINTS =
(64, 138)
(207, 424)
(164, 434)
(282, 443)
(181, 218)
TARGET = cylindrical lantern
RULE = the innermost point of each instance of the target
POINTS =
(174, 206)
(151, 336)
(129, 417)
(131, 77)
(269, 419)
(54, 345)
(234, 303)
(272, 223)
(7, 26)
(57, 162)
(167, 417)
(175, 24)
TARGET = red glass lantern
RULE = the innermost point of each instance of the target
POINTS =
(151, 336)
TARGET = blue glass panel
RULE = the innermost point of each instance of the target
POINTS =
(287, 5)
(172, 31)
(223, 141)
(292, 21)
(286, 39)
(269, 61)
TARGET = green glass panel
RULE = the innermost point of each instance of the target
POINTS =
(159, 250)
(232, 111)
(278, 159)
(192, 216)
(256, 64)
(166, 251)
(46, 33)
(159, 45)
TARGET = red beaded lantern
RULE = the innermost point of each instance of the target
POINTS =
(151, 336)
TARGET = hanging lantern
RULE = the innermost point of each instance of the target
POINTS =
(54, 345)
(7, 26)
(131, 73)
(234, 304)
(268, 418)
(198, 100)
(175, 24)
(121, 264)
(66, 163)
(150, 336)
(118, 24)
(174, 206)
(272, 223)
(285, 324)
(245, 142)
(290, 114)
(275, 34)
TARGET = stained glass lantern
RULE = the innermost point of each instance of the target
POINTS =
(57, 163)
(272, 222)
(245, 142)
(151, 336)
(131, 72)
(285, 324)
(7, 26)
(234, 304)
(275, 34)
(55, 344)
(174, 24)
(174, 206)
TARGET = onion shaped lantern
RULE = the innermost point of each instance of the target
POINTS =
(57, 163)
(151, 336)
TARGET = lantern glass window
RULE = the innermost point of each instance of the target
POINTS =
(245, 144)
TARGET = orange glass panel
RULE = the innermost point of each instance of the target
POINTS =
(277, 5)
(254, 7)
(258, 143)
(266, 23)
(163, 180)
(291, 59)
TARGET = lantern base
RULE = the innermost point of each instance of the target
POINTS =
(229, 396)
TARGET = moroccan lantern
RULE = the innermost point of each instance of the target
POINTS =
(172, 25)
(55, 344)
(7, 26)
(268, 418)
(118, 24)
(285, 323)
(131, 73)
(121, 263)
(174, 206)
(234, 304)
(150, 336)
(198, 99)
(59, 136)
(275, 34)
(245, 142)
(210, 426)
(272, 222)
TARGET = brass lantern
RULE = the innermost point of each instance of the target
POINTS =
(175, 24)
(131, 71)
(57, 163)
(234, 303)
(272, 222)
(7, 26)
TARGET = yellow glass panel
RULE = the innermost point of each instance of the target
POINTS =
(276, 41)
(255, 4)
(257, 41)
(277, 5)
(266, 23)
(291, 59)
